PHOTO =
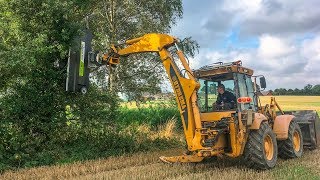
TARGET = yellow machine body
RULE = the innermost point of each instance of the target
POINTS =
(208, 133)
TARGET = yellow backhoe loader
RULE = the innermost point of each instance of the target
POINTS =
(241, 127)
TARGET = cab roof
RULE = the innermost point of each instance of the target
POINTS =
(222, 68)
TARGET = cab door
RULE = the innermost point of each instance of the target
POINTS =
(245, 88)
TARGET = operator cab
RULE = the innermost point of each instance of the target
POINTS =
(237, 84)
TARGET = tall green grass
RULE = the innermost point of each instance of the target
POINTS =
(84, 137)
(131, 131)
(153, 115)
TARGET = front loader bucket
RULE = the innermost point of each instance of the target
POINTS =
(309, 123)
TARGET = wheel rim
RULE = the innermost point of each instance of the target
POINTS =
(296, 141)
(268, 147)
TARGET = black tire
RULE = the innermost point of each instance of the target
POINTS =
(255, 153)
(290, 148)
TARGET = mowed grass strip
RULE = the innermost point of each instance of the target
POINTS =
(148, 166)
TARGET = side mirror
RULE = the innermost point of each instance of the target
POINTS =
(263, 83)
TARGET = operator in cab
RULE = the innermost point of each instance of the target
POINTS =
(226, 100)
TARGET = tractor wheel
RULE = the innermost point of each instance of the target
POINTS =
(293, 146)
(261, 149)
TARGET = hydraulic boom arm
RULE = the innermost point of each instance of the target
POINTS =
(184, 88)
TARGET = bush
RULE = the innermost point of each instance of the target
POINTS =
(36, 128)
(87, 127)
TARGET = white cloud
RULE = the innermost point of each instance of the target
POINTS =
(205, 57)
(273, 47)
(277, 38)
(311, 48)
(245, 8)
(311, 51)
(285, 17)
(282, 63)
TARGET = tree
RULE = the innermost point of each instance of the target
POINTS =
(297, 91)
(35, 38)
(316, 90)
(290, 92)
(307, 89)
(280, 91)
(115, 21)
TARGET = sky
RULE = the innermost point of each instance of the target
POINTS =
(279, 39)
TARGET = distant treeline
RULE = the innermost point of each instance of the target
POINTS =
(308, 90)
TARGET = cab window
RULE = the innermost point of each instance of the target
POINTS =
(246, 90)
(208, 94)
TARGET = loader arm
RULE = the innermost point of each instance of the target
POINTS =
(185, 89)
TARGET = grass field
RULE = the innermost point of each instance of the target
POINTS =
(147, 165)
(295, 102)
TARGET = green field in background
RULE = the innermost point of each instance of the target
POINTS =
(295, 102)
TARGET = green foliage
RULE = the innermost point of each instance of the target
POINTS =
(35, 137)
(40, 123)
(153, 115)
(35, 37)
(307, 90)
(189, 46)
(83, 139)
(115, 21)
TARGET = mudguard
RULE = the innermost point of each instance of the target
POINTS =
(258, 118)
(281, 126)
